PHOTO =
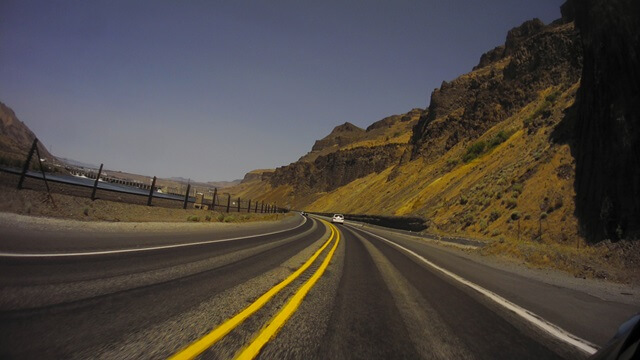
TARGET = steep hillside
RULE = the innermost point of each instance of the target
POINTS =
(495, 153)
(487, 158)
(346, 154)
(15, 138)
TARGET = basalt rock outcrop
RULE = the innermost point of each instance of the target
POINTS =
(328, 172)
(534, 57)
(607, 148)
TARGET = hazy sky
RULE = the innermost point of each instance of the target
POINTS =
(210, 89)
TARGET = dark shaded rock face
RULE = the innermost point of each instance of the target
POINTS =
(539, 56)
(336, 169)
(608, 118)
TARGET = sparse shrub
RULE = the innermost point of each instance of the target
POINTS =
(193, 218)
(558, 203)
(482, 224)
(220, 217)
(551, 98)
(498, 139)
(498, 195)
(527, 217)
(475, 150)
(515, 215)
(543, 215)
(517, 187)
(468, 220)
(495, 214)
(86, 212)
(495, 232)
(452, 162)
(229, 218)
(397, 133)
(207, 218)
(537, 155)
(463, 200)
(511, 203)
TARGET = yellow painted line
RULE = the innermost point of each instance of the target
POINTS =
(202, 344)
(267, 333)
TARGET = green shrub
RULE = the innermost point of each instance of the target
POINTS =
(193, 218)
(498, 139)
(515, 215)
(207, 218)
(463, 200)
(495, 214)
(220, 217)
(229, 218)
(475, 150)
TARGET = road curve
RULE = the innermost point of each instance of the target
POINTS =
(302, 290)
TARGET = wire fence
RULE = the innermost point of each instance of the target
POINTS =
(97, 185)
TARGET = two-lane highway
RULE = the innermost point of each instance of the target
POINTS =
(301, 288)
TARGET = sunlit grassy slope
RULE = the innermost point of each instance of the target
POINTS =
(524, 183)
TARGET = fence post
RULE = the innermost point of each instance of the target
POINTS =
(26, 163)
(262, 207)
(186, 196)
(213, 202)
(95, 184)
(228, 201)
(238, 204)
(256, 209)
(275, 208)
(249, 206)
(44, 177)
(153, 184)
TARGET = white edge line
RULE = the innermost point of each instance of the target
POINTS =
(120, 251)
(531, 317)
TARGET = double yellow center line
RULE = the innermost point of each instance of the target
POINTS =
(268, 332)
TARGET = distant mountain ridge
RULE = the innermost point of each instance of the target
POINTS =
(15, 136)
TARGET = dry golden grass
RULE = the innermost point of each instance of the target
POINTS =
(517, 196)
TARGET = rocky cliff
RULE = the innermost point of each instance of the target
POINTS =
(329, 172)
(534, 57)
(607, 128)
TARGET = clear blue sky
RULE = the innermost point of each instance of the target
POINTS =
(210, 89)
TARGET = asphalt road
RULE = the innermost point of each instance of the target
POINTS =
(297, 289)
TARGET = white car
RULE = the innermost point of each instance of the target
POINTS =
(338, 218)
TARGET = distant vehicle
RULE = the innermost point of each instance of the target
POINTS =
(338, 219)
(304, 213)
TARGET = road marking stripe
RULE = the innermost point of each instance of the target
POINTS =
(267, 333)
(205, 342)
(531, 317)
(120, 251)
